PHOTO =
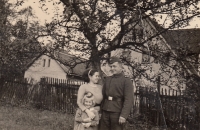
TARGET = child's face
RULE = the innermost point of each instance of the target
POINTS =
(88, 103)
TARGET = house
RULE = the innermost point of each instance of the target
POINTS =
(167, 43)
(186, 43)
(59, 64)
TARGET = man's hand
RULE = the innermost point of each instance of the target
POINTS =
(99, 116)
(90, 114)
(86, 125)
(122, 120)
(87, 120)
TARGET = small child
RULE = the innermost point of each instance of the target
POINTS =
(82, 121)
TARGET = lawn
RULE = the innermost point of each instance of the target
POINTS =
(23, 118)
(28, 118)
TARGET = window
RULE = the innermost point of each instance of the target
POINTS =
(145, 55)
(44, 60)
(49, 62)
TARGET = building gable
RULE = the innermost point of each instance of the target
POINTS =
(161, 43)
(60, 65)
(45, 66)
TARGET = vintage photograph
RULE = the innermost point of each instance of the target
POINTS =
(99, 65)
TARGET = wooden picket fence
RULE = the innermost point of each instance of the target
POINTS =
(168, 108)
(163, 108)
(49, 93)
(56, 94)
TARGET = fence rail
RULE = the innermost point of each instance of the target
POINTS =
(164, 108)
(49, 94)
(168, 110)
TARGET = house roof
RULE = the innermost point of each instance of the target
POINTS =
(181, 37)
(70, 64)
(37, 55)
(189, 38)
(186, 38)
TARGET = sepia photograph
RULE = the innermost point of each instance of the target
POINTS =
(99, 65)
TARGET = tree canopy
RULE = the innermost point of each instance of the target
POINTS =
(17, 38)
(84, 24)
(95, 28)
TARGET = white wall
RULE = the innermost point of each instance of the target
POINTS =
(37, 70)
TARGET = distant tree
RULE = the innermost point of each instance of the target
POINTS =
(18, 43)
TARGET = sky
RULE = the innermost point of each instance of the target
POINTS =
(51, 10)
(43, 13)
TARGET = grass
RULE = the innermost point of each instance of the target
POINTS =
(21, 118)
(28, 118)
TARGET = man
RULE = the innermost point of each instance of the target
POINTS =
(118, 98)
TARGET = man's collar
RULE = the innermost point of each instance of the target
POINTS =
(118, 75)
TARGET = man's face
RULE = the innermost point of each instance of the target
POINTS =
(105, 67)
(116, 68)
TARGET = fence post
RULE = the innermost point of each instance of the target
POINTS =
(158, 85)
(1, 81)
(160, 113)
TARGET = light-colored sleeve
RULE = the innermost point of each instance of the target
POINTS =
(78, 117)
(81, 92)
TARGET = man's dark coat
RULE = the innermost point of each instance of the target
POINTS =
(118, 87)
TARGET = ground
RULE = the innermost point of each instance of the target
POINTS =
(22, 118)
(28, 118)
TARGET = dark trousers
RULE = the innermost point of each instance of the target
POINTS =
(110, 121)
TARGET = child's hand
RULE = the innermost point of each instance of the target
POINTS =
(90, 114)
(86, 125)
(87, 119)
